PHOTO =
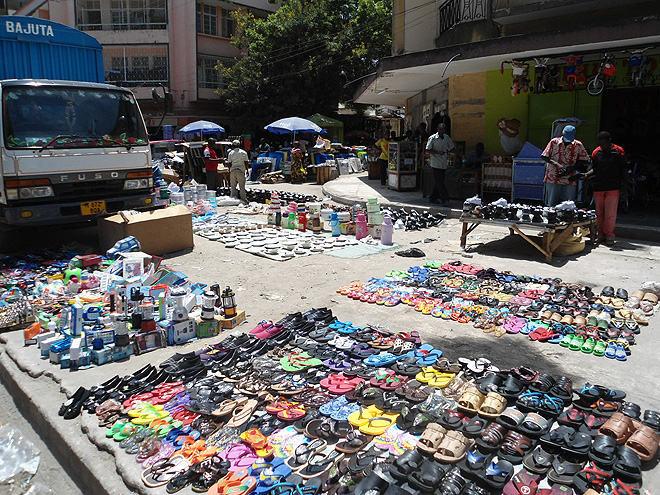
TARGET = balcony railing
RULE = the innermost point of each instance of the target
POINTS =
(454, 12)
(121, 19)
(133, 78)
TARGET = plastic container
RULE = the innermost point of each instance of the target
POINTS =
(314, 208)
(387, 231)
(291, 223)
(326, 213)
(302, 221)
(373, 208)
(178, 198)
(360, 226)
(334, 225)
(344, 216)
(316, 223)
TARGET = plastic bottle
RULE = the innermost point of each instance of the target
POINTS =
(302, 221)
(334, 225)
(291, 224)
(360, 226)
(316, 223)
(387, 229)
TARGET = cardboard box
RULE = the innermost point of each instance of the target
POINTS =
(229, 323)
(207, 328)
(159, 231)
(121, 352)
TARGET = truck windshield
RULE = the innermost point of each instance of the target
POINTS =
(70, 118)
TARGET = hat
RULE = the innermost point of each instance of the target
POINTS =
(236, 142)
(569, 133)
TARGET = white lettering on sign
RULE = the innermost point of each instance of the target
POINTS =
(29, 28)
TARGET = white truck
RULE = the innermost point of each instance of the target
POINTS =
(69, 151)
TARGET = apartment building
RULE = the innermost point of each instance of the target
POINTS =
(486, 62)
(173, 44)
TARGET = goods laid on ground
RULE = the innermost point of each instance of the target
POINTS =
(88, 310)
(501, 303)
(312, 405)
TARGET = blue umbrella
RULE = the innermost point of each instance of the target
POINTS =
(203, 127)
(292, 125)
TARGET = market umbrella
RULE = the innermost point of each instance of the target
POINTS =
(202, 127)
(293, 125)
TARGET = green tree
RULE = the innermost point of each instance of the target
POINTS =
(298, 60)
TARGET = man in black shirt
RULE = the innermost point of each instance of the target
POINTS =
(610, 172)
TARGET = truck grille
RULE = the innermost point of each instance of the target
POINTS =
(90, 190)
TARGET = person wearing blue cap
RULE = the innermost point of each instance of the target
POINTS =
(564, 155)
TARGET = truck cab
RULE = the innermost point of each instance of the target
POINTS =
(69, 151)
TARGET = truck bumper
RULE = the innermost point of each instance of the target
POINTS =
(60, 213)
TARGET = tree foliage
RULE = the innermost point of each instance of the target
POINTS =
(298, 60)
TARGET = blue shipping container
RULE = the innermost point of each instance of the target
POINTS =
(33, 48)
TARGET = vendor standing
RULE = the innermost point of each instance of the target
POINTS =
(438, 145)
(238, 161)
(211, 165)
(563, 156)
(610, 172)
(383, 160)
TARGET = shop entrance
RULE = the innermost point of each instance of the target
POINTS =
(632, 117)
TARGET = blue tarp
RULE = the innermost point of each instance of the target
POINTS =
(530, 152)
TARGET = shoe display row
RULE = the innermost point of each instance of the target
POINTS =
(312, 404)
(501, 303)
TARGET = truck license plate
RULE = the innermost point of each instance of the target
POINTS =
(92, 207)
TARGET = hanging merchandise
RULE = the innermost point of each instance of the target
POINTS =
(575, 75)
(521, 82)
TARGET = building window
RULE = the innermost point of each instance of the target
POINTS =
(140, 63)
(89, 15)
(160, 63)
(119, 15)
(209, 20)
(118, 64)
(207, 75)
(228, 24)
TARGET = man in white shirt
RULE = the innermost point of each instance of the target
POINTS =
(438, 145)
(238, 162)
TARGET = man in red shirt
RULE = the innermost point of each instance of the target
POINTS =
(610, 172)
(562, 155)
(211, 159)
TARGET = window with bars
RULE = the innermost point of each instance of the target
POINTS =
(207, 16)
(89, 15)
(207, 75)
(160, 63)
(228, 24)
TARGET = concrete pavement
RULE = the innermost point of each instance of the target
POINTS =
(357, 188)
(268, 290)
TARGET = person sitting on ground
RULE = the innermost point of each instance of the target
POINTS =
(477, 157)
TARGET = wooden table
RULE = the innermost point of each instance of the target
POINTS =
(553, 235)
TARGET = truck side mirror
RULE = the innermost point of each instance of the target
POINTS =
(169, 103)
(154, 95)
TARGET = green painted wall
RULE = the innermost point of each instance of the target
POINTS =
(501, 104)
(536, 112)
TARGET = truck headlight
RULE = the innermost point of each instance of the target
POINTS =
(139, 183)
(30, 192)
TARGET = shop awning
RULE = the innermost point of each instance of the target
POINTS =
(400, 77)
(334, 127)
